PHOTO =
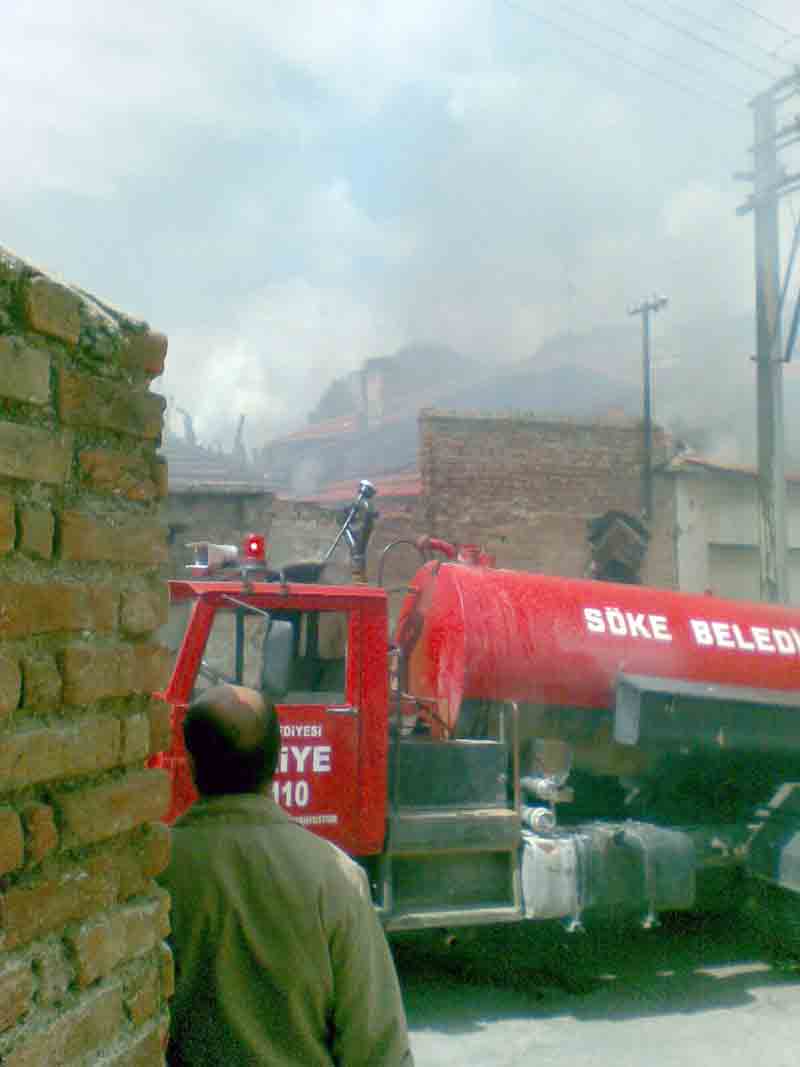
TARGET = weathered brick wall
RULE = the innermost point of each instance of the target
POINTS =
(222, 514)
(305, 531)
(524, 487)
(219, 513)
(226, 514)
(84, 974)
(300, 531)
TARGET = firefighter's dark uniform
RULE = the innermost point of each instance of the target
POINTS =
(280, 959)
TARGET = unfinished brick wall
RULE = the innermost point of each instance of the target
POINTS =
(222, 514)
(84, 974)
(524, 486)
(299, 531)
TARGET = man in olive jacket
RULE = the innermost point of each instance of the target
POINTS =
(280, 959)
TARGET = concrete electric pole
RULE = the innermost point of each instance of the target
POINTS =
(656, 303)
(770, 182)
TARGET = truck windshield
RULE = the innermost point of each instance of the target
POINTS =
(233, 653)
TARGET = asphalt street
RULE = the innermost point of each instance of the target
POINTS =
(690, 992)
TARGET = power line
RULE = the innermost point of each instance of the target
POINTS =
(597, 74)
(619, 56)
(696, 37)
(770, 22)
(648, 48)
(726, 31)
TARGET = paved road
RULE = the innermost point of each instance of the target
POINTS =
(686, 994)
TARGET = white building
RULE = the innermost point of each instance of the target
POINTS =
(716, 528)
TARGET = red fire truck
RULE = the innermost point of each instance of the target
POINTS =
(523, 746)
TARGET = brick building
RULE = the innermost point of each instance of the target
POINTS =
(525, 485)
(522, 485)
(84, 973)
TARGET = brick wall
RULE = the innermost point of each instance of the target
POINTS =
(84, 974)
(524, 487)
(226, 514)
(222, 514)
(294, 530)
(300, 531)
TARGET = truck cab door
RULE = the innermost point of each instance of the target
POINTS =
(320, 716)
(332, 702)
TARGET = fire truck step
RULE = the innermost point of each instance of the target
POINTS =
(457, 829)
(434, 883)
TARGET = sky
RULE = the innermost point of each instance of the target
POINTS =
(289, 187)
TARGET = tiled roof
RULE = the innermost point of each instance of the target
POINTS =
(195, 469)
(403, 485)
(338, 427)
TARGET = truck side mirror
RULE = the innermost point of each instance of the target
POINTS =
(276, 658)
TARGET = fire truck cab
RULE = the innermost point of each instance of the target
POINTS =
(333, 708)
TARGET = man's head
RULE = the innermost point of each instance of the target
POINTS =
(233, 737)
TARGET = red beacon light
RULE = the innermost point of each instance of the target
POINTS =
(227, 559)
(254, 549)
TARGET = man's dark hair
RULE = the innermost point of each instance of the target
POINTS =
(234, 743)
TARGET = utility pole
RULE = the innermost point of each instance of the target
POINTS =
(655, 303)
(770, 182)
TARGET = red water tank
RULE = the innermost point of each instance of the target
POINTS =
(477, 632)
